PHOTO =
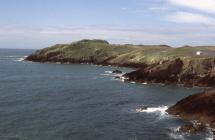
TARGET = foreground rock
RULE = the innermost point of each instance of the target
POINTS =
(192, 128)
(199, 107)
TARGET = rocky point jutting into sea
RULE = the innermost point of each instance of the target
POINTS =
(188, 66)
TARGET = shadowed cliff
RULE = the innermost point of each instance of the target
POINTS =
(196, 107)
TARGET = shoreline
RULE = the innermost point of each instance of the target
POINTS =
(156, 64)
(116, 66)
(162, 84)
(135, 68)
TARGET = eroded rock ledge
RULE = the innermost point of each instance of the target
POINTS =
(186, 72)
(196, 107)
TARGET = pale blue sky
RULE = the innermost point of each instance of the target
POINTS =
(40, 23)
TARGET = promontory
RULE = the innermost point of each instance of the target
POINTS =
(187, 66)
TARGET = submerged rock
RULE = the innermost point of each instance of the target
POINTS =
(117, 77)
(192, 128)
(117, 72)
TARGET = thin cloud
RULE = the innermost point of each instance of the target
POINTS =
(40, 37)
(187, 17)
(203, 5)
(159, 8)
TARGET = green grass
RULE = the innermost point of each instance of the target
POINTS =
(101, 50)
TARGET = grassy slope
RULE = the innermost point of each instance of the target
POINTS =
(101, 52)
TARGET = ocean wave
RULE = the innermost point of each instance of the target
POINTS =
(105, 74)
(175, 134)
(122, 78)
(21, 59)
(116, 76)
(210, 133)
(109, 72)
(12, 56)
(145, 83)
(161, 109)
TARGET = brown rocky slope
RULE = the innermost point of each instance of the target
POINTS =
(196, 107)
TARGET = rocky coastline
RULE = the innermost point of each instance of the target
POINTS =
(154, 64)
(197, 108)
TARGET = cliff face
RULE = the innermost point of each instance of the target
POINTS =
(196, 107)
(166, 72)
(156, 63)
(188, 72)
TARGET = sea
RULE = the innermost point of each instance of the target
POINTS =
(44, 101)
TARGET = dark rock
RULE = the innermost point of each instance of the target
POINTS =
(117, 77)
(165, 73)
(192, 128)
(117, 72)
(196, 107)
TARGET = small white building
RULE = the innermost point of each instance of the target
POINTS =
(199, 53)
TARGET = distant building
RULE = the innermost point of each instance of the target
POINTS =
(199, 53)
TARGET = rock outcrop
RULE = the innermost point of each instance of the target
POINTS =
(184, 71)
(192, 128)
(155, 63)
(196, 107)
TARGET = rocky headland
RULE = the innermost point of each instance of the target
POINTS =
(196, 107)
(154, 63)
(187, 66)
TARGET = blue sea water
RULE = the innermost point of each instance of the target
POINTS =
(82, 102)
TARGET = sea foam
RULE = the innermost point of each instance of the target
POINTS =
(161, 109)
(110, 72)
(210, 135)
(21, 59)
(175, 134)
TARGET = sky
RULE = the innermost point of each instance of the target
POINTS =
(35, 24)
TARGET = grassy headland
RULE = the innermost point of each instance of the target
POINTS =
(189, 66)
(156, 63)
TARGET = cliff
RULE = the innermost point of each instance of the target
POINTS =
(190, 66)
(196, 107)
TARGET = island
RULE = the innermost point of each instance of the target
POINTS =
(187, 66)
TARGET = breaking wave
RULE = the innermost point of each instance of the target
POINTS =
(161, 109)
(21, 59)
(210, 135)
